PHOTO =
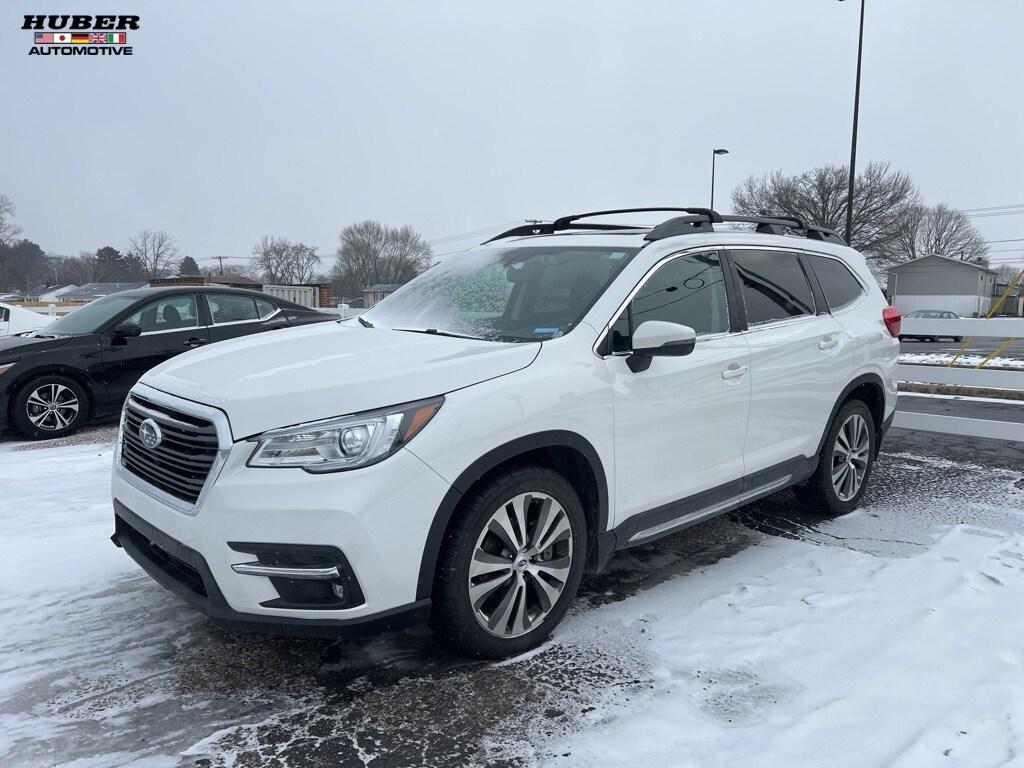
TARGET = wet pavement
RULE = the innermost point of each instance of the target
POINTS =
(149, 682)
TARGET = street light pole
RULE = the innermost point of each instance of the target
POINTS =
(714, 154)
(853, 141)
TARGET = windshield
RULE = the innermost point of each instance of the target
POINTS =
(510, 294)
(90, 317)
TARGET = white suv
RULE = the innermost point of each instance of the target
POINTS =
(471, 445)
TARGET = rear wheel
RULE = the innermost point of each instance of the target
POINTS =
(50, 406)
(844, 466)
(511, 563)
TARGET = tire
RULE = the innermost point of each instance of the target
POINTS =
(820, 491)
(32, 415)
(495, 620)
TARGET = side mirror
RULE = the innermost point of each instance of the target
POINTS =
(656, 338)
(126, 330)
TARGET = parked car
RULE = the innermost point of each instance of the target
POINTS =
(82, 365)
(468, 447)
(932, 314)
(15, 319)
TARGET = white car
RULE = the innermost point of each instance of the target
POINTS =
(14, 319)
(469, 447)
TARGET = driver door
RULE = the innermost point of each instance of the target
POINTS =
(680, 425)
(170, 326)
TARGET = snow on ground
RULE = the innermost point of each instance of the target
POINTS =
(798, 656)
(888, 637)
(964, 361)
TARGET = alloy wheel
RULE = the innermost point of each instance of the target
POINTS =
(850, 457)
(520, 564)
(52, 407)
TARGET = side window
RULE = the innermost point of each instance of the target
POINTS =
(840, 286)
(5, 314)
(166, 314)
(228, 308)
(689, 290)
(774, 285)
(265, 308)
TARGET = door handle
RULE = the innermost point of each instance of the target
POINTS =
(734, 372)
(195, 342)
(827, 343)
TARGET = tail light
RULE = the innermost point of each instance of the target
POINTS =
(892, 319)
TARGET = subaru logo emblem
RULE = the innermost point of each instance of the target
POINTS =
(150, 434)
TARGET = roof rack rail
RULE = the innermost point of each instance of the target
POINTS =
(568, 222)
(767, 225)
(783, 225)
(696, 220)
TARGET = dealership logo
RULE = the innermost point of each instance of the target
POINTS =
(150, 434)
(75, 35)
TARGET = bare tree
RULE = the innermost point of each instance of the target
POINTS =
(370, 252)
(281, 261)
(881, 203)
(8, 229)
(157, 251)
(940, 231)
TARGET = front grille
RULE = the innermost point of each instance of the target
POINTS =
(181, 462)
(174, 567)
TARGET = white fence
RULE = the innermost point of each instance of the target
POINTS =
(963, 375)
(305, 295)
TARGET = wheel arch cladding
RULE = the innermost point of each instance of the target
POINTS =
(566, 452)
(867, 388)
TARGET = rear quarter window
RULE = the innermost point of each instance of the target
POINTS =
(840, 287)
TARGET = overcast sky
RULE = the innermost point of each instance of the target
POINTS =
(235, 120)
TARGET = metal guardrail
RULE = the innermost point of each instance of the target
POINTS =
(957, 425)
(974, 375)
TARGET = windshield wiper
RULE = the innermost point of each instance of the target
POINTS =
(435, 332)
(364, 323)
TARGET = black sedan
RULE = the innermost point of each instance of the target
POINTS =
(82, 365)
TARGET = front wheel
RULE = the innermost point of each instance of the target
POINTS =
(50, 406)
(511, 563)
(845, 463)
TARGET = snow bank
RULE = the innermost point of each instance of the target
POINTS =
(964, 361)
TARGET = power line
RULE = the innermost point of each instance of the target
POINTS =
(1011, 240)
(474, 233)
(994, 213)
(992, 208)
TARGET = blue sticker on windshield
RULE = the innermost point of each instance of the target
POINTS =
(545, 330)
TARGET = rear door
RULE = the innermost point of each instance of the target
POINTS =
(799, 361)
(170, 325)
(240, 314)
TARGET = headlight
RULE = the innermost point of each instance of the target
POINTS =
(348, 442)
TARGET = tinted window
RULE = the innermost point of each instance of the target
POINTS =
(774, 286)
(840, 286)
(689, 290)
(265, 308)
(166, 314)
(228, 308)
(92, 316)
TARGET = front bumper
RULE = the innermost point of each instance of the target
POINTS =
(185, 572)
(376, 518)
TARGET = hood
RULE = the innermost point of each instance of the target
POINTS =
(15, 346)
(296, 375)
